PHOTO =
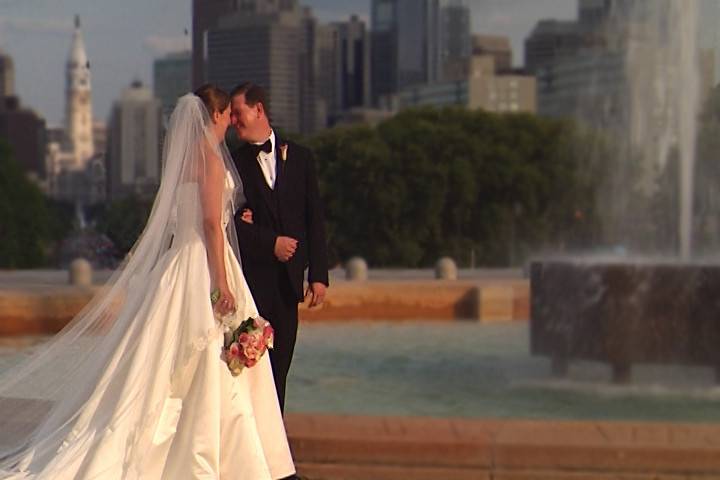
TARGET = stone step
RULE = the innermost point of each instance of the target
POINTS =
(311, 471)
(338, 447)
(319, 471)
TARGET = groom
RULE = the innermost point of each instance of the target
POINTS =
(287, 233)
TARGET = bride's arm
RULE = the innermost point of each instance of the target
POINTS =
(211, 197)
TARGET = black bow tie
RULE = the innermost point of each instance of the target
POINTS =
(265, 147)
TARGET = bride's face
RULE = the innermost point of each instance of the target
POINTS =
(222, 122)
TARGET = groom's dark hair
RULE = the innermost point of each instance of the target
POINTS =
(254, 94)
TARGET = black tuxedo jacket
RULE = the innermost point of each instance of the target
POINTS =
(293, 208)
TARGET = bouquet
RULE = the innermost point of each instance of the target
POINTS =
(245, 345)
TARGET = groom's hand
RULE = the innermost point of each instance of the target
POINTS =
(247, 216)
(317, 292)
(285, 248)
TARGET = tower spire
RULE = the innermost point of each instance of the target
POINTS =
(78, 102)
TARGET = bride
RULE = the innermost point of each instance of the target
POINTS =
(134, 387)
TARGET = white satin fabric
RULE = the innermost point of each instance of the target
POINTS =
(193, 419)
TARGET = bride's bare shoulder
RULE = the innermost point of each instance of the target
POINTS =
(213, 163)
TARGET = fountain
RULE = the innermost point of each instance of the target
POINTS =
(660, 308)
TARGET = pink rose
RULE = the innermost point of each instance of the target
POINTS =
(241, 356)
(234, 351)
(268, 332)
(268, 336)
(250, 351)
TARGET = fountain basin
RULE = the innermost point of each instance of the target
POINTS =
(624, 313)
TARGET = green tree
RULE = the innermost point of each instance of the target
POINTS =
(123, 221)
(432, 182)
(26, 225)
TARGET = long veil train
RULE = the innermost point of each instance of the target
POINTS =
(107, 376)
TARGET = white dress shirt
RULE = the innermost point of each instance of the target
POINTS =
(267, 161)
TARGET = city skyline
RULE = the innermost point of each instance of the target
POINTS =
(123, 41)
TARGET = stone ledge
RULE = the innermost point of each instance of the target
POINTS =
(43, 311)
(484, 301)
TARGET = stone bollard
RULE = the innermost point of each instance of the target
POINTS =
(445, 269)
(81, 273)
(356, 269)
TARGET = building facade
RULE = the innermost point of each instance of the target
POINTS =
(134, 152)
(205, 15)
(354, 67)
(71, 160)
(172, 79)
(273, 45)
(406, 45)
(23, 131)
(7, 75)
(483, 89)
(455, 35)
(346, 68)
(78, 106)
(495, 46)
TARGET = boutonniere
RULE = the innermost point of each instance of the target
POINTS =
(283, 151)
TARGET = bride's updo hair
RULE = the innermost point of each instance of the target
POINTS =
(214, 99)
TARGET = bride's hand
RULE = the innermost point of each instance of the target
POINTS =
(225, 304)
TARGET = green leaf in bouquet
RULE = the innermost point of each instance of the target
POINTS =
(214, 296)
(247, 325)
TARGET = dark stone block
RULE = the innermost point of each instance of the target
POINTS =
(625, 313)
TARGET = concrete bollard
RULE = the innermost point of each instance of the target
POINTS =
(81, 273)
(445, 269)
(356, 269)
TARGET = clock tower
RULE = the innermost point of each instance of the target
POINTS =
(78, 109)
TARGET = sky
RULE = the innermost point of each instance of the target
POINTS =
(123, 37)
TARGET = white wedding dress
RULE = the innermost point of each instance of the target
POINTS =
(143, 392)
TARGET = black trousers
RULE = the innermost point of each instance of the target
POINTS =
(282, 313)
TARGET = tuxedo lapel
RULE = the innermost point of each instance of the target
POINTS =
(279, 164)
(280, 168)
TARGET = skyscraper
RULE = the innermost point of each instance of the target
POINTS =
(405, 44)
(7, 75)
(205, 15)
(593, 12)
(494, 46)
(327, 77)
(384, 51)
(134, 143)
(24, 131)
(171, 79)
(596, 13)
(353, 64)
(272, 44)
(550, 41)
(497, 47)
(477, 85)
(455, 34)
(709, 37)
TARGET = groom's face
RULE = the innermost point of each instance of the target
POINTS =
(245, 118)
